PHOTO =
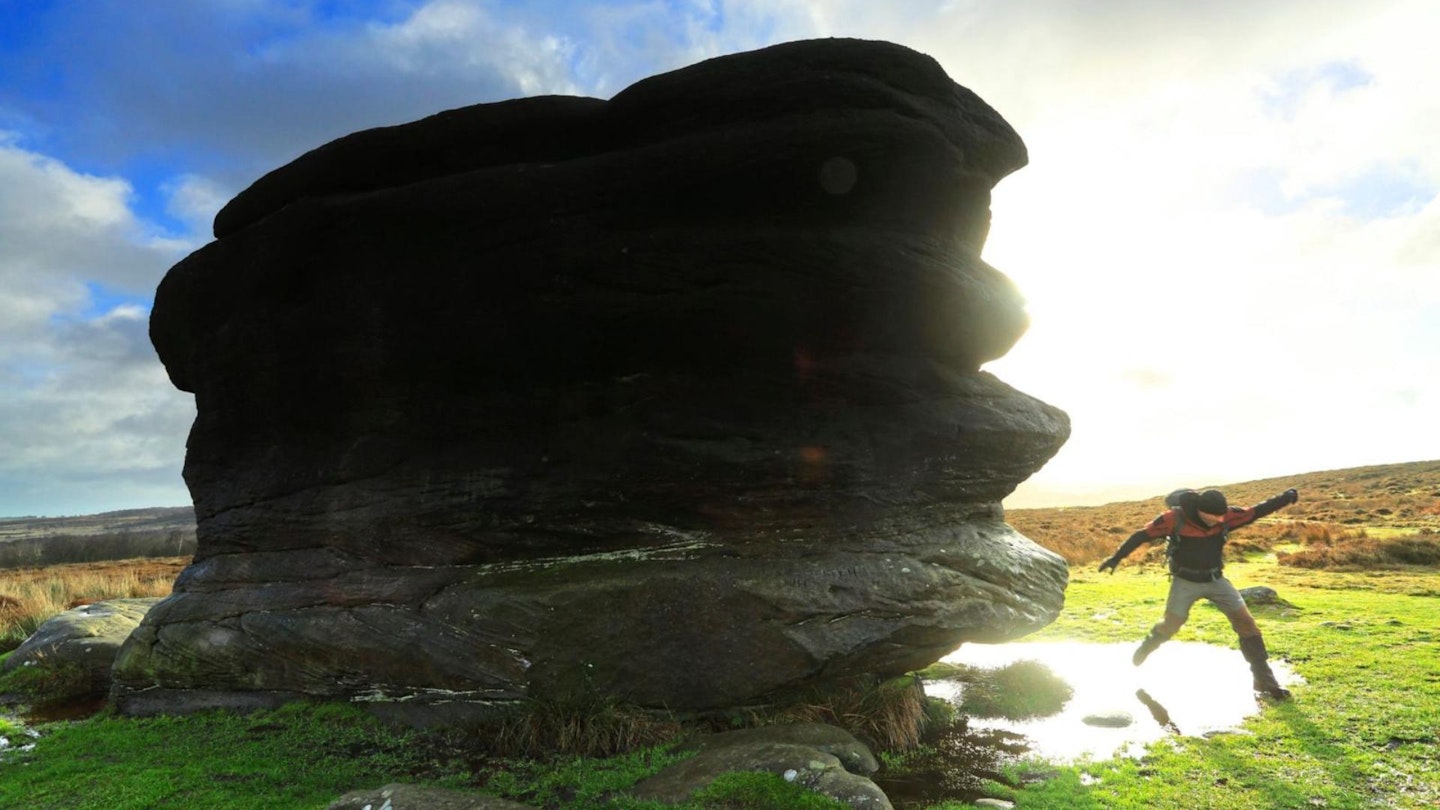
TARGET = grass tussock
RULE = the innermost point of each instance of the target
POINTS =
(595, 729)
(887, 715)
(30, 596)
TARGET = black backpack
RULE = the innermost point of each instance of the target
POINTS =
(1179, 502)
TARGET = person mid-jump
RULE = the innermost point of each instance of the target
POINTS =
(1197, 527)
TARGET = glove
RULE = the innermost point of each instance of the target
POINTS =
(1110, 564)
(1290, 496)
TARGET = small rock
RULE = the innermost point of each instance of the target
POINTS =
(1115, 719)
(1260, 595)
(1001, 804)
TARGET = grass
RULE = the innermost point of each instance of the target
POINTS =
(886, 715)
(1363, 731)
(304, 756)
(46, 685)
(1384, 504)
(29, 596)
(1366, 552)
(1020, 691)
(298, 757)
(602, 728)
(582, 783)
(577, 783)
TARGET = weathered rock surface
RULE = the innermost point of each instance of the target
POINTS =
(673, 397)
(84, 639)
(415, 797)
(1262, 595)
(815, 756)
(854, 755)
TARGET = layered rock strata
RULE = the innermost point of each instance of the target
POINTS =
(673, 398)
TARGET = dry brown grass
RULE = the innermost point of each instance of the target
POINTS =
(1362, 512)
(1364, 553)
(29, 596)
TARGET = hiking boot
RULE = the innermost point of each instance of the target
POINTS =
(1253, 648)
(1265, 684)
(1146, 647)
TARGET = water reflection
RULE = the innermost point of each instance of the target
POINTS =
(1185, 688)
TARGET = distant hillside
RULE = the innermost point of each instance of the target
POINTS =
(128, 534)
(1382, 501)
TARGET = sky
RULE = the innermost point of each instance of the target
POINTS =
(1228, 234)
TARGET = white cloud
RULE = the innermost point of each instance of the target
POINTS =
(441, 42)
(194, 199)
(84, 402)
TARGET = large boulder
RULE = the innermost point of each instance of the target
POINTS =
(673, 398)
(77, 648)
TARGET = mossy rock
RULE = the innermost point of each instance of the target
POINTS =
(69, 657)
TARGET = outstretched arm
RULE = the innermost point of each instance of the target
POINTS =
(1136, 540)
(1243, 517)
(1276, 503)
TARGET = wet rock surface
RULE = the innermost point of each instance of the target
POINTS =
(672, 398)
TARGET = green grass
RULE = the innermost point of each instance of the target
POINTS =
(580, 783)
(304, 756)
(762, 791)
(1363, 731)
(297, 757)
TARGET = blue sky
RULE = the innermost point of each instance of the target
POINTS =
(1229, 233)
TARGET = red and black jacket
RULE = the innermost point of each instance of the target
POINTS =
(1196, 547)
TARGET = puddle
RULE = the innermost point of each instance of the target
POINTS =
(1184, 688)
(960, 764)
(62, 712)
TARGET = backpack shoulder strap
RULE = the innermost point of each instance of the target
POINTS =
(1173, 539)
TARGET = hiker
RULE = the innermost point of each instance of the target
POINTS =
(1197, 526)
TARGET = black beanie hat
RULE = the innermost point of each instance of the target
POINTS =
(1212, 502)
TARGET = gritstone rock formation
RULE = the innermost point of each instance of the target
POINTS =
(673, 398)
